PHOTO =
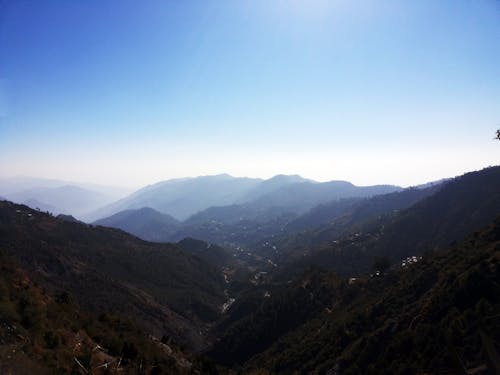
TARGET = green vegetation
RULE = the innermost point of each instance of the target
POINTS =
(350, 214)
(460, 207)
(427, 317)
(161, 287)
(389, 285)
(210, 253)
(40, 334)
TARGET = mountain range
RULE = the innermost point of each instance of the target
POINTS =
(452, 211)
(225, 210)
(400, 281)
(59, 197)
(247, 224)
(182, 198)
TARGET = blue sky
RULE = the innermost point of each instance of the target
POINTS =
(129, 93)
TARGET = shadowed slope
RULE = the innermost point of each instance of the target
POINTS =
(162, 287)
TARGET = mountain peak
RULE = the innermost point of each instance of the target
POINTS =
(287, 178)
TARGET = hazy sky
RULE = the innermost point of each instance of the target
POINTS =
(132, 92)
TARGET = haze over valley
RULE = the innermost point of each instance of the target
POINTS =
(250, 187)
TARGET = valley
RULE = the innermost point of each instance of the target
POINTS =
(237, 285)
(250, 187)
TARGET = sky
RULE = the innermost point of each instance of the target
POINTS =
(130, 93)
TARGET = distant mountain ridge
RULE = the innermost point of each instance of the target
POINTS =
(144, 222)
(10, 185)
(461, 206)
(67, 199)
(271, 185)
(41, 206)
(182, 198)
(354, 210)
(57, 196)
(302, 196)
(276, 202)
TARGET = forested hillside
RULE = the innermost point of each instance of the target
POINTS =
(458, 208)
(438, 314)
(42, 333)
(383, 284)
(162, 287)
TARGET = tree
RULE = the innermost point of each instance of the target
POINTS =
(497, 135)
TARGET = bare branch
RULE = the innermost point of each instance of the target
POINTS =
(80, 364)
